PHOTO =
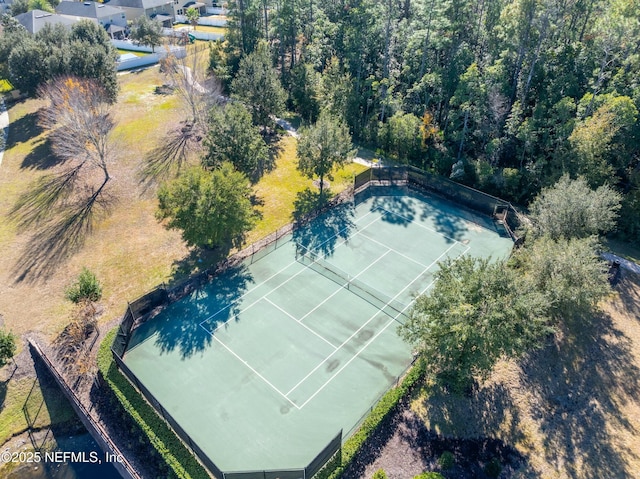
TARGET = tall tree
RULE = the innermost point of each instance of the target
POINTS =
(474, 315)
(569, 272)
(79, 119)
(570, 209)
(233, 138)
(323, 147)
(193, 15)
(212, 208)
(258, 87)
(146, 31)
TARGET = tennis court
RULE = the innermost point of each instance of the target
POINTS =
(267, 363)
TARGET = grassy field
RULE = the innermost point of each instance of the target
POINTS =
(44, 404)
(202, 28)
(127, 248)
(138, 54)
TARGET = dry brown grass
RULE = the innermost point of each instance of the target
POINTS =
(572, 409)
(128, 250)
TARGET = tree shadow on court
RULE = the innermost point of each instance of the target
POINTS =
(451, 226)
(395, 209)
(59, 220)
(581, 381)
(323, 234)
(178, 327)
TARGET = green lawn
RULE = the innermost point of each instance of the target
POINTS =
(278, 189)
(202, 28)
(138, 54)
(44, 405)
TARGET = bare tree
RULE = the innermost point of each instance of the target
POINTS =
(60, 208)
(198, 91)
(79, 119)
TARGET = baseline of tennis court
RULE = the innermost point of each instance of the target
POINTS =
(263, 366)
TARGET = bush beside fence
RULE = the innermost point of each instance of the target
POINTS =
(379, 417)
(181, 462)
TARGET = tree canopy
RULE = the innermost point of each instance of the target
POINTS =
(86, 51)
(516, 93)
(211, 208)
(233, 138)
(475, 314)
(570, 209)
(7, 346)
(323, 147)
(258, 87)
(146, 31)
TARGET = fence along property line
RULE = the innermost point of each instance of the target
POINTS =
(124, 468)
(463, 195)
(147, 305)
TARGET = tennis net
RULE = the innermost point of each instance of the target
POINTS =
(383, 302)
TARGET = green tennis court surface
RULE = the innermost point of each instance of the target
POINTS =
(267, 363)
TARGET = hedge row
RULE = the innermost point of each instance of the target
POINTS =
(182, 464)
(386, 407)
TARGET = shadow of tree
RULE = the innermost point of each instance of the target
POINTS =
(23, 129)
(581, 382)
(57, 233)
(41, 157)
(629, 289)
(198, 259)
(395, 209)
(470, 455)
(486, 411)
(177, 327)
(275, 149)
(3, 392)
(326, 230)
(171, 156)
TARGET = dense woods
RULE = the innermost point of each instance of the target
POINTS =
(503, 95)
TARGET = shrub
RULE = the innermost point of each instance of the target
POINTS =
(7, 346)
(446, 460)
(149, 427)
(429, 475)
(493, 468)
(85, 288)
(379, 474)
(381, 412)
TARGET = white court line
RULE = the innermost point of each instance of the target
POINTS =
(253, 370)
(372, 339)
(269, 278)
(346, 364)
(330, 355)
(302, 324)
(380, 310)
(395, 251)
(342, 287)
(418, 224)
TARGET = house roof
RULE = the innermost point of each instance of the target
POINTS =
(144, 4)
(87, 9)
(35, 20)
